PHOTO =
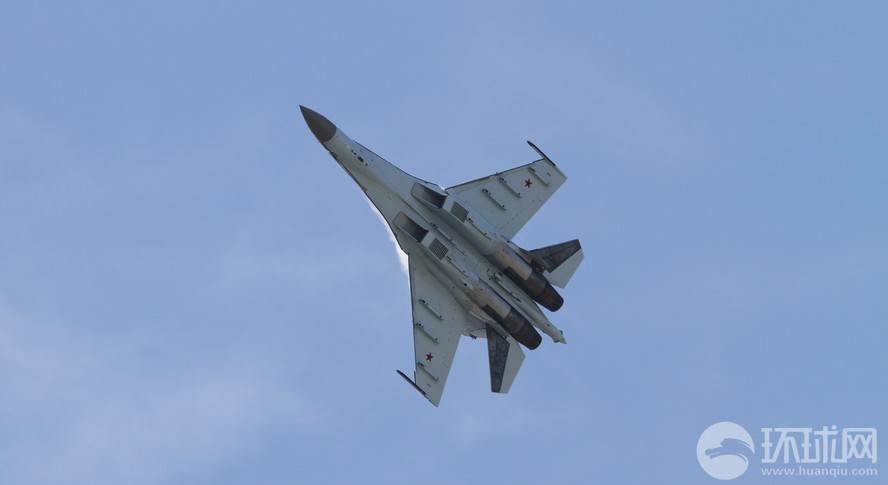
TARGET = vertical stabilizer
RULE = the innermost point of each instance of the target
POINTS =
(506, 358)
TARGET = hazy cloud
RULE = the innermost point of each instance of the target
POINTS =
(86, 409)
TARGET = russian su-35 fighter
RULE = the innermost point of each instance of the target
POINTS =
(466, 275)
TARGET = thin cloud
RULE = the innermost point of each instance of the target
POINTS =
(80, 409)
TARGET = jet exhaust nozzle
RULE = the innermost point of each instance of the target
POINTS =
(506, 315)
(517, 326)
(521, 329)
(538, 287)
(509, 259)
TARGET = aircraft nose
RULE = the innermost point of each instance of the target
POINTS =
(322, 128)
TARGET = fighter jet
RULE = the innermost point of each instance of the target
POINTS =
(466, 275)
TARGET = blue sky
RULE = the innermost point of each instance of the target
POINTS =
(192, 291)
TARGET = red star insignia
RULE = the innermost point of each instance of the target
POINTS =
(429, 357)
(527, 183)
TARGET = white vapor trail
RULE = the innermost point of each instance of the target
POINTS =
(402, 256)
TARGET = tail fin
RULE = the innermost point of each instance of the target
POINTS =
(505, 357)
(559, 261)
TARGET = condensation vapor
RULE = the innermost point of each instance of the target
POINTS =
(402, 256)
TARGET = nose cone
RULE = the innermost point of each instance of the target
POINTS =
(322, 128)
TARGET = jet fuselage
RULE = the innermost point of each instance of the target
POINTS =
(484, 271)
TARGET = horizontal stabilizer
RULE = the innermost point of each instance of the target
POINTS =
(559, 261)
(506, 358)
